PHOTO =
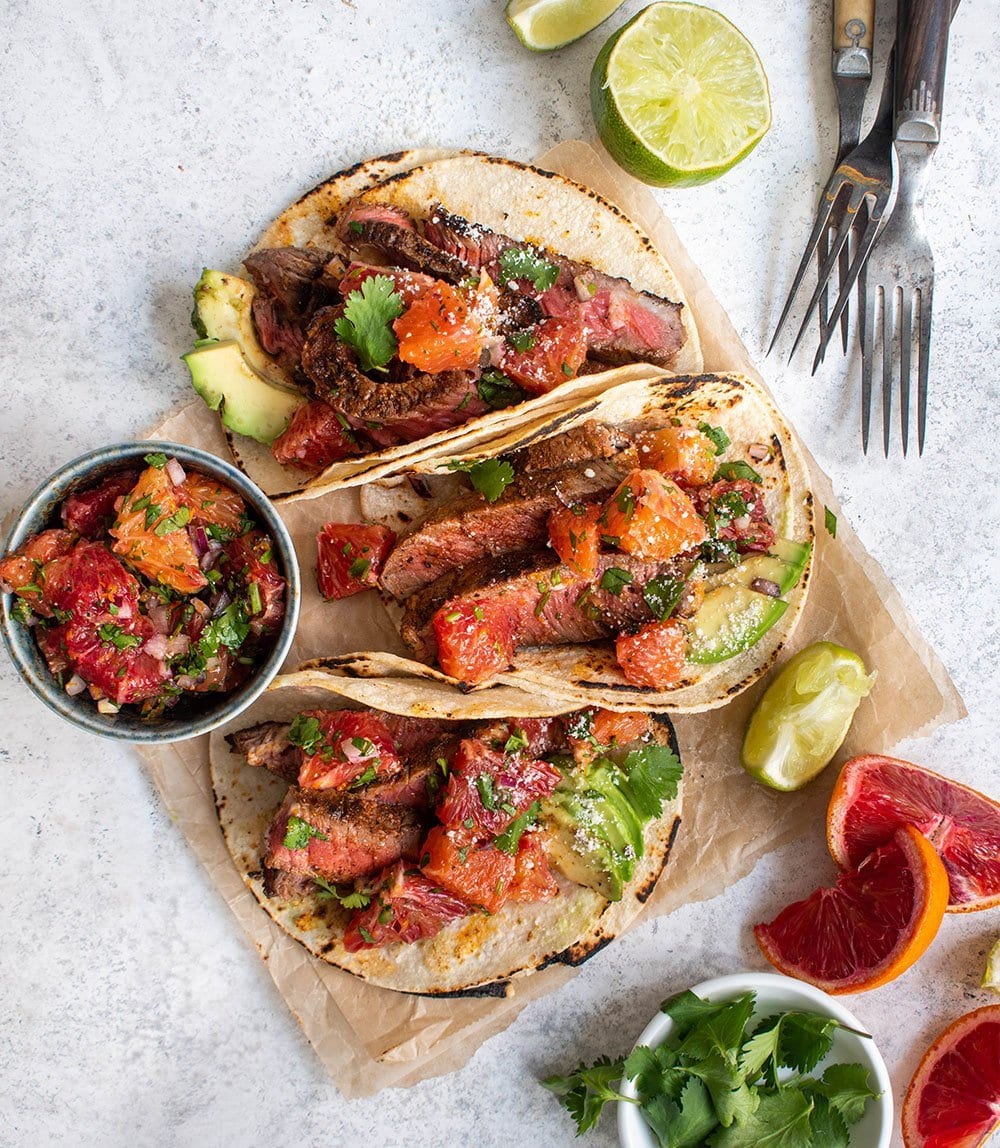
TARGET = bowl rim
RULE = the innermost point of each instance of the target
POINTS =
(632, 1129)
(33, 517)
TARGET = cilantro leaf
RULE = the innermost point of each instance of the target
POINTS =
(157, 460)
(662, 594)
(846, 1087)
(780, 1121)
(115, 636)
(230, 629)
(298, 833)
(614, 580)
(585, 1091)
(363, 779)
(684, 1122)
(365, 322)
(654, 1070)
(827, 1126)
(804, 1039)
(830, 520)
(522, 263)
(721, 1033)
(687, 1010)
(653, 774)
(517, 741)
(498, 391)
(738, 469)
(509, 840)
(307, 733)
(720, 440)
(489, 476)
(177, 521)
(354, 899)
(522, 341)
(485, 785)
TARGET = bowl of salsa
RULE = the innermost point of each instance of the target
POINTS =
(150, 592)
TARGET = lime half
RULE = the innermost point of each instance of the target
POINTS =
(804, 714)
(543, 25)
(991, 975)
(679, 95)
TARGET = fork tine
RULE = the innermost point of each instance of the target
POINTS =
(826, 205)
(855, 199)
(843, 271)
(888, 339)
(924, 351)
(821, 253)
(870, 302)
(905, 344)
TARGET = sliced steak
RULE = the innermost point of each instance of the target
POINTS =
(576, 447)
(542, 612)
(543, 735)
(388, 411)
(470, 528)
(289, 291)
(267, 746)
(623, 325)
(417, 784)
(353, 837)
(390, 231)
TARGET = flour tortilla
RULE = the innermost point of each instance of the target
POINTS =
(589, 674)
(478, 955)
(511, 197)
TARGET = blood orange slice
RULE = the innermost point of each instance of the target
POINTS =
(875, 795)
(954, 1097)
(870, 927)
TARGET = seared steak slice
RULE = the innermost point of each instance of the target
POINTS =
(542, 611)
(411, 735)
(576, 447)
(289, 291)
(351, 837)
(267, 745)
(417, 784)
(544, 735)
(623, 325)
(469, 528)
(390, 231)
(388, 411)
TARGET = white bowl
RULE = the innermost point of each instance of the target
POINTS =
(776, 993)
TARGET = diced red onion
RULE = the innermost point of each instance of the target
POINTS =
(179, 644)
(106, 706)
(766, 586)
(200, 606)
(76, 685)
(124, 611)
(758, 451)
(352, 753)
(175, 472)
(156, 646)
(199, 539)
(495, 348)
(221, 603)
(185, 682)
(743, 522)
(159, 616)
(211, 555)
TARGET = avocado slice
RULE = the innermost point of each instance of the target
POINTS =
(731, 619)
(783, 565)
(222, 311)
(247, 404)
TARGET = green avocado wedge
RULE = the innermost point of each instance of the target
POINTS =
(246, 403)
(731, 619)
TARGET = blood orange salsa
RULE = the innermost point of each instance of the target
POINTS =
(154, 585)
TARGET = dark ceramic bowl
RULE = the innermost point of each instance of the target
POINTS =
(41, 511)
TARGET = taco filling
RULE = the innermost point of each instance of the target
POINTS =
(399, 826)
(412, 327)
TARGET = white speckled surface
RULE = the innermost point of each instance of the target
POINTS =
(142, 142)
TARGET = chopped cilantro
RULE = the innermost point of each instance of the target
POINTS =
(509, 840)
(489, 476)
(720, 440)
(298, 833)
(517, 741)
(567, 370)
(581, 726)
(355, 899)
(522, 263)
(614, 580)
(219, 533)
(366, 936)
(307, 733)
(830, 519)
(625, 501)
(662, 594)
(730, 505)
(157, 460)
(486, 787)
(497, 391)
(365, 324)
(20, 611)
(255, 603)
(522, 341)
(359, 567)
(585, 1091)
(369, 775)
(385, 915)
(230, 629)
(153, 512)
(356, 227)
(720, 550)
(652, 774)
(738, 469)
(113, 635)
(177, 521)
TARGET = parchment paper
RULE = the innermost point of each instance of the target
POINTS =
(370, 1038)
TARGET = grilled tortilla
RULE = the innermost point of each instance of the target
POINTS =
(479, 954)
(515, 199)
(589, 674)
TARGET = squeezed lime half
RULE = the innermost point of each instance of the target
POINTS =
(991, 974)
(803, 716)
(679, 95)
(544, 25)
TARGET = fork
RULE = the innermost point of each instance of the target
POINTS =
(863, 179)
(900, 268)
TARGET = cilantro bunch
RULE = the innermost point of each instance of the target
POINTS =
(716, 1081)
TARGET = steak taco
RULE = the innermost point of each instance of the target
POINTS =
(649, 548)
(444, 855)
(422, 299)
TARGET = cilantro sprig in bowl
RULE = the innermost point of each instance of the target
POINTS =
(151, 592)
(738, 1062)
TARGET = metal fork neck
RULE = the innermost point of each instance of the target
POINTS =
(852, 61)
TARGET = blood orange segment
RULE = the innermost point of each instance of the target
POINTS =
(875, 795)
(870, 927)
(953, 1100)
(211, 502)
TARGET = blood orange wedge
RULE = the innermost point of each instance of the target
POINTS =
(875, 795)
(870, 927)
(954, 1097)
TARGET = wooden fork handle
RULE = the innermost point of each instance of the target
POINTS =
(922, 39)
(853, 24)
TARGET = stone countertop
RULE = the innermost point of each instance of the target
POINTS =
(144, 142)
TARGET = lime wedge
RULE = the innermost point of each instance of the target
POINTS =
(543, 25)
(679, 95)
(991, 974)
(803, 716)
